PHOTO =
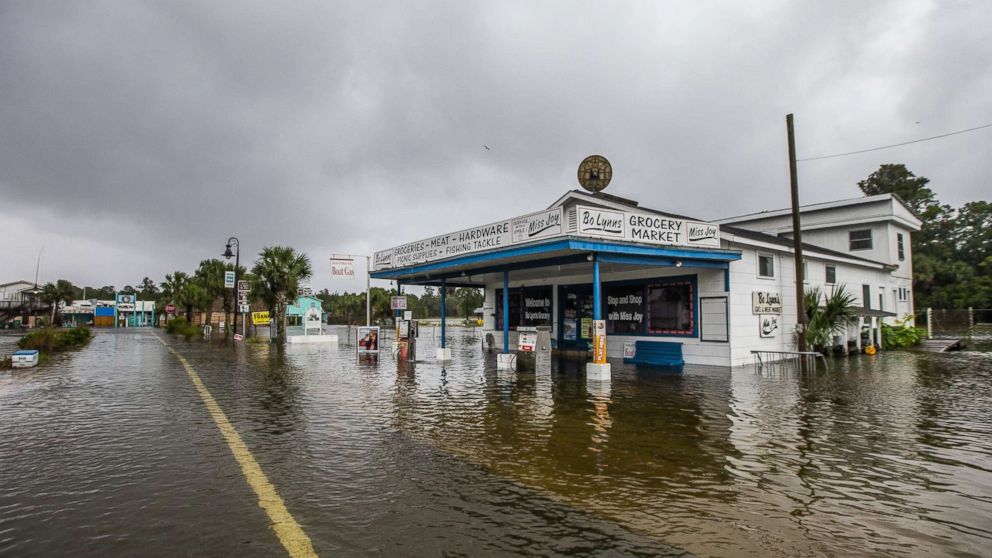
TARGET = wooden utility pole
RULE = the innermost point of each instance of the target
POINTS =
(798, 240)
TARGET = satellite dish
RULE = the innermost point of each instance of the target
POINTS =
(595, 173)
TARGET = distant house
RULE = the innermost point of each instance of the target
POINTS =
(15, 303)
(16, 290)
(303, 304)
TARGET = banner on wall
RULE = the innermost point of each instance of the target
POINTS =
(766, 302)
(647, 228)
(595, 222)
(769, 325)
(518, 230)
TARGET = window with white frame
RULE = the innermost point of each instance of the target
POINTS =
(860, 239)
(766, 266)
(831, 274)
(805, 271)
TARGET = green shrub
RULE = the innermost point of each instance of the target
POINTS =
(179, 326)
(899, 336)
(50, 340)
(176, 325)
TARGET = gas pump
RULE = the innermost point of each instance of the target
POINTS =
(526, 347)
(407, 332)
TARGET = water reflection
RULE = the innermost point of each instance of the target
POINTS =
(887, 455)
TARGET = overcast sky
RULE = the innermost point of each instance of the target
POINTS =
(136, 137)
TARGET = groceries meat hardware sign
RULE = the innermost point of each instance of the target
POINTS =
(594, 222)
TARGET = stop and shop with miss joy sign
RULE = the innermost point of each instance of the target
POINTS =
(615, 281)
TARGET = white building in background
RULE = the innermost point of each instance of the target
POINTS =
(15, 290)
(875, 228)
(710, 292)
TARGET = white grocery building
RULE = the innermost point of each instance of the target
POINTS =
(712, 291)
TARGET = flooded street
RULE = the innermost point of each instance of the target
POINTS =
(111, 451)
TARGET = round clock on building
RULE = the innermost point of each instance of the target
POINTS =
(595, 173)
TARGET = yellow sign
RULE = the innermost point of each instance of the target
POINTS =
(599, 342)
(260, 318)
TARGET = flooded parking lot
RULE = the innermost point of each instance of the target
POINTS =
(111, 451)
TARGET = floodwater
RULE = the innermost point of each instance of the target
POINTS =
(110, 451)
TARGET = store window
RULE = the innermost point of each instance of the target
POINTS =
(530, 307)
(831, 275)
(515, 297)
(714, 325)
(671, 308)
(537, 306)
(625, 309)
(577, 309)
(860, 240)
(766, 265)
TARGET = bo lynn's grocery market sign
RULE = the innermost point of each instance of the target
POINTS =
(594, 222)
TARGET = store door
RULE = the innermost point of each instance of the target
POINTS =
(575, 317)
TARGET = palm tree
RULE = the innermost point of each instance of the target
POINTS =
(827, 314)
(198, 296)
(210, 274)
(61, 292)
(277, 276)
(174, 290)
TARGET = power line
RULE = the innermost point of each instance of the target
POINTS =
(895, 144)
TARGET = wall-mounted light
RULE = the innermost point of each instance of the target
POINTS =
(589, 257)
(678, 263)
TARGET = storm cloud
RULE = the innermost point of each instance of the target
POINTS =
(138, 136)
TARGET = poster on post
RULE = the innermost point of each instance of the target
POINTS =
(342, 267)
(367, 340)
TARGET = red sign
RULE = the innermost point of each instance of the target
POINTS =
(238, 337)
(170, 308)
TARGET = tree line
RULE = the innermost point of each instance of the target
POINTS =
(349, 308)
(952, 253)
(275, 279)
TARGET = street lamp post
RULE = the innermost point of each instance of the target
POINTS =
(237, 263)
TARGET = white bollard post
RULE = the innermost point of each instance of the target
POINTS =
(929, 323)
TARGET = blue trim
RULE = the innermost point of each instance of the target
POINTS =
(726, 279)
(444, 312)
(559, 245)
(506, 312)
(662, 262)
(597, 291)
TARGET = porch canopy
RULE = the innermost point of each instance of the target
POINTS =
(578, 234)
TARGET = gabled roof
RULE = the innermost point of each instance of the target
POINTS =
(613, 202)
(786, 242)
(16, 283)
(823, 206)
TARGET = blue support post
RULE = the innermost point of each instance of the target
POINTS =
(597, 305)
(726, 280)
(506, 312)
(444, 311)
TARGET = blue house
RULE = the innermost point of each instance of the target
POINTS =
(303, 304)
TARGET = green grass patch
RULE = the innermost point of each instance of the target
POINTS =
(51, 340)
(179, 326)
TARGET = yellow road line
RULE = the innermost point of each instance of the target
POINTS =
(290, 533)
